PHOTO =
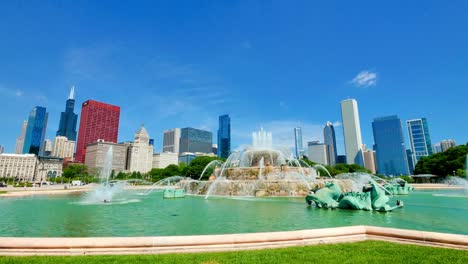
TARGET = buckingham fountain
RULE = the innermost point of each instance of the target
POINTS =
(258, 170)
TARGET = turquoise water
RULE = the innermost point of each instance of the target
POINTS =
(137, 215)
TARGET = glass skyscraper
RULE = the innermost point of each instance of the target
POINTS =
(420, 139)
(299, 147)
(35, 130)
(224, 136)
(67, 125)
(390, 146)
(330, 142)
(195, 140)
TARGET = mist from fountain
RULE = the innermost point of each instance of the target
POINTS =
(106, 191)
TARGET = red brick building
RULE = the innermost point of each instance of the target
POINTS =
(98, 121)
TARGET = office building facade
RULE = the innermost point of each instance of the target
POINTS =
(63, 148)
(420, 139)
(140, 152)
(317, 152)
(171, 140)
(48, 168)
(370, 160)
(352, 132)
(98, 121)
(96, 154)
(298, 146)
(390, 146)
(164, 159)
(35, 131)
(329, 139)
(447, 144)
(68, 119)
(21, 167)
(224, 136)
(195, 140)
(20, 140)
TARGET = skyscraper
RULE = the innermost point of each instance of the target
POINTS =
(330, 142)
(2, 149)
(140, 152)
(317, 152)
(224, 136)
(98, 121)
(446, 144)
(63, 148)
(299, 148)
(369, 160)
(195, 140)
(20, 140)
(352, 132)
(390, 146)
(35, 130)
(67, 126)
(420, 139)
(171, 140)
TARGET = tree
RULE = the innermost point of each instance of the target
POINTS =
(198, 164)
(75, 171)
(444, 163)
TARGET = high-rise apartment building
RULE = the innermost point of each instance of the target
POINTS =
(98, 121)
(330, 141)
(317, 152)
(20, 140)
(46, 148)
(63, 148)
(390, 146)
(369, 160)
(195, 140)
(140, 152)
(224, 136)
(352, 132)
(420, 139)
(171, 140)
(446, 144)
(35, 130)
(298, 146)
(68, 119)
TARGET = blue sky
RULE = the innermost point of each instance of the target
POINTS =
(276, 64)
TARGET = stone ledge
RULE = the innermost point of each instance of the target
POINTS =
(229, 242)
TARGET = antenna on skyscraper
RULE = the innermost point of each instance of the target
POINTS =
(72, 93)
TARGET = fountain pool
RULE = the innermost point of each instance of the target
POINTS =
(151, 215)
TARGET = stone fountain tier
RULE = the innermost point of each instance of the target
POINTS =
(266, 173)
(254, 158)
(263, 188)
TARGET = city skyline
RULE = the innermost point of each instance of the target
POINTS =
(183, 85)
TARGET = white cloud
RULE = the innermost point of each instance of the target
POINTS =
(365, 79)
(19, 93)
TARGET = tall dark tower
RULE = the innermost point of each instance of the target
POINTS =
(67, 126)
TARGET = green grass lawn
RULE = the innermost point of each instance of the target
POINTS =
(361, 252)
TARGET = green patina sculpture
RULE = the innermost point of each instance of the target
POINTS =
(399, 187)
(173, 193)
(372, 198)
(326, 197)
